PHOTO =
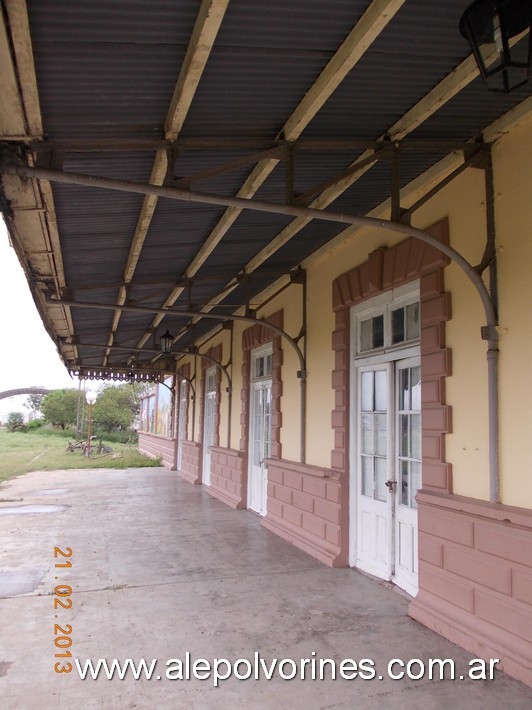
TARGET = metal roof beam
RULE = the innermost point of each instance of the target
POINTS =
(213, 144)
(443, 92)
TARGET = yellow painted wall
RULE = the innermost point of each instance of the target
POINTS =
(512, 160)
(463, 202)
(181, 363)
(291, 302)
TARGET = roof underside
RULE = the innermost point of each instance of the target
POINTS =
(118, 88)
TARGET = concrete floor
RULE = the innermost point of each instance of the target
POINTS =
(161, 568)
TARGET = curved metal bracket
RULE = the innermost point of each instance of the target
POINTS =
(9, 166)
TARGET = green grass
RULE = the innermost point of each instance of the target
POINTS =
(31, 451)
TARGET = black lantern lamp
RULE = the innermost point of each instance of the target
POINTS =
(493, 29)
(166, 343)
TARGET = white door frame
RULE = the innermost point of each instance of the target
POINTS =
(386, 357)
(209, 414)
(182, 407)
(406, 518)
(260, 387)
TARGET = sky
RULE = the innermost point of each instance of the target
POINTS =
(28, 356)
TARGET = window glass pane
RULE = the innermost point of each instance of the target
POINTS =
(151, 414)
(382, 438)
(381, 390)
(398, 325)
(415, 482)
(367, 476)
(415, 436)
(367, 432)
(268, 365)
(404, 390)
(381, 475)
(164, 405)
(404, 483)
(415, 378)
(412, 321)
(404, 449)
(378, 331)
(366, 382)
(365, 335)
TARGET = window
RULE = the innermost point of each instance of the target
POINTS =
(392, 321)
(147, 413)
(261, 364)
(164, 407)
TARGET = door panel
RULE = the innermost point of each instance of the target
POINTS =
(260, 437)
(408, 468)
(209, 423)
(387, 464)
(374, 529)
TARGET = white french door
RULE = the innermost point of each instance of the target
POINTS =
(374, 505)
(407, 473)
(181, 421)
(261, 407)
(209, 417)
(387, 470)
(260, 427)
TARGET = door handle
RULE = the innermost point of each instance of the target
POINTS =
(390, 485)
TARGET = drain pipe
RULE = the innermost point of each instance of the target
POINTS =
(489, 332)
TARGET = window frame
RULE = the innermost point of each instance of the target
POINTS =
(383, 304)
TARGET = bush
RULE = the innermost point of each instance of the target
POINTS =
(120, 437)
(50, 431)
(15, 422)
(34, 424)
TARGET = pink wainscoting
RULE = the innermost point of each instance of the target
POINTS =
(305, 507)
(191, 462)
(475, 578)
(154, 445)
(228, 480)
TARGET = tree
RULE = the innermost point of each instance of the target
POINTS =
(115, 407)
(60, 407)
(15, 421)
(34, 402)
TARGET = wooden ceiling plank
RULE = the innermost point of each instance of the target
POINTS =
(367, 29)
(20, 33)
(28, 112)
(208, 22)
(206, 27)
(11, 110)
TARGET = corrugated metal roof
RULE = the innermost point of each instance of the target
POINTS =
(108, 69)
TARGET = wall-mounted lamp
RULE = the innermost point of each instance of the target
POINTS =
(492, 28)
(166, 342)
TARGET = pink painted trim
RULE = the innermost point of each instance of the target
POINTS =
(253, 338)
(228, 477)
(386, 269)
(216, 354)
(480, 508)
(475, 577)
(155, 445)
(191, 462)
(304, 507)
